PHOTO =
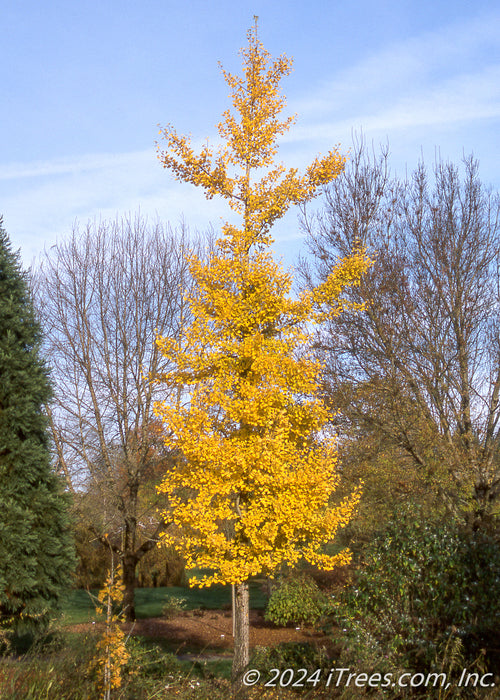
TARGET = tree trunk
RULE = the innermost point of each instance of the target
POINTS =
(129, 563)
(241, 655)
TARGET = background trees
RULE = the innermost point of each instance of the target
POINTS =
(102, 295)
(36, 551)
(417, 373)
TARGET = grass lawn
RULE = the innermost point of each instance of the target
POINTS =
(78, 606)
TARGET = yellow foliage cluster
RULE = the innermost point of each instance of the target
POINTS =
(111, 651)
(253, 484)
(250, 145)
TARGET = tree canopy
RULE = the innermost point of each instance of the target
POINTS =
(36, 550)
(417, 371)
(255, 474)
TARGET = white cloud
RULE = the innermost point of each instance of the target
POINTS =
(67, 166)
(465, 98)
(413, 91)
(41, 200)
(441, 77)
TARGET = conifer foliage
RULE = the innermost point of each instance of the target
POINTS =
(256, 473)
(36, 554)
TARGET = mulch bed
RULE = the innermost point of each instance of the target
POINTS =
(201, 630)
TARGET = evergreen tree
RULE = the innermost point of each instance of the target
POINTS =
(36, 552)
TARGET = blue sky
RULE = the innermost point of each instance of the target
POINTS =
(85, 85)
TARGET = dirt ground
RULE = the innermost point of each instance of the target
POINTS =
(211, 630)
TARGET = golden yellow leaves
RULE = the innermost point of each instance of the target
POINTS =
(269, 504)
(253, 490)
(257, 467)
(111, 651)
(249, 145)
(251, 141)
(196, 169)
(346, 273)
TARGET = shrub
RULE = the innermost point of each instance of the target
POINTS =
(421, 585)
(175, 605)
(161, 566)
(296, 600)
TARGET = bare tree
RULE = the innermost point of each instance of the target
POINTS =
(420, 365)
(102, 296)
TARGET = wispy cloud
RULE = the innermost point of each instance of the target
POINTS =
(68, 166)
(42, 200)
(441, 80)
(465, 98)
(446, 76)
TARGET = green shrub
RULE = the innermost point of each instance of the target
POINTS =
(421, 584)
(175, 605)
(296, 600)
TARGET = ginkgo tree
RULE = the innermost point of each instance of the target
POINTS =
(256, 469)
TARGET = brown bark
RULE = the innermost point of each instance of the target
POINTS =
(129, 563)
(241, 656)
(129, 559)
